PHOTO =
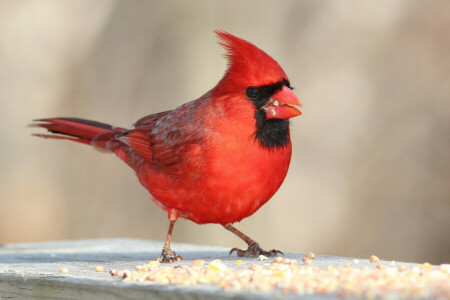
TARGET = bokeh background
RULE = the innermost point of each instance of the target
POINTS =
(370, 172)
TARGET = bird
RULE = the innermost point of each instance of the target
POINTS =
(216, 159)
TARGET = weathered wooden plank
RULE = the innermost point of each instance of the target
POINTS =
(32, 271)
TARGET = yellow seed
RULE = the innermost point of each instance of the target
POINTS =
(153, 263)
(198, 263)
(217, 265)
(427, 265)
(281, 274)
(279, 259)
(444, 268)
(64, 270)
(310, 255)
(374, 258)
(348, 265)
(98, 268)
(239, 262)
(204, 279)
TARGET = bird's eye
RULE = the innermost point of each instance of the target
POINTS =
(252, 92)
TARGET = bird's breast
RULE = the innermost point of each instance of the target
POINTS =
(237, 177)
(232, 177)
(244, 176)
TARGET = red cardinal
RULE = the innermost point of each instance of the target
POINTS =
(216, 159)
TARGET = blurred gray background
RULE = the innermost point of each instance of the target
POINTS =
(370, 172)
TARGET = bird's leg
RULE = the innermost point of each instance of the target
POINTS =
(167, 254)
(253, 250)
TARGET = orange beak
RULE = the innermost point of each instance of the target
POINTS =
(278, 106)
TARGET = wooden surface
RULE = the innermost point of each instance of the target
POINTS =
(33, 271)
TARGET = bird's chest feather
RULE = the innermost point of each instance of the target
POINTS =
(231, 175)
(242, 174)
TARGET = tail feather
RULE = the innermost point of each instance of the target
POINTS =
(79, 130)
(60, 137)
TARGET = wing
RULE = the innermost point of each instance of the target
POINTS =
(149, 121)
(170, 141)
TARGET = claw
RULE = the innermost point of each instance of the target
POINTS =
(254, 250)
(276, 252)
(234, 249)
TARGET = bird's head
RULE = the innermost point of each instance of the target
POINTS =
(257, 76)
(253, 77)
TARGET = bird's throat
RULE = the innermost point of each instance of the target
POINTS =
(271, 133)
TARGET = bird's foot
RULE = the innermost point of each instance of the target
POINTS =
(169, 256)
(254, 250)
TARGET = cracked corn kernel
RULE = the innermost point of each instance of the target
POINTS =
(98, 268)
(239, 262)
(374, 258)
(279, 259)
(444, 268)
(310, 255)
(281, 274)
(153, 263)
(64, 270)
(198, 263)
(427, 265)
(217, 265)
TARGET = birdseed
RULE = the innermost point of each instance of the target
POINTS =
(374, 258)
(198, 263)
(98, 268)
(262, 257)
(306, 260)
(420, 281)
